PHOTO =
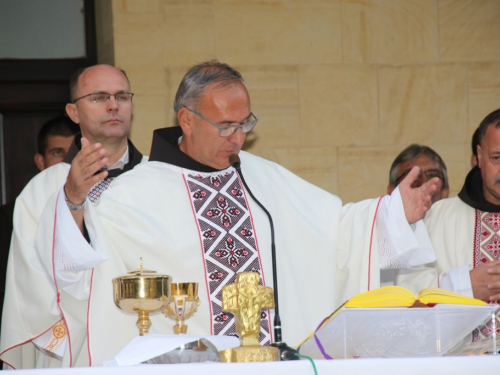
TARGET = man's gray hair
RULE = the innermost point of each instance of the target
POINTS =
(492, 119)
(199, 77)
(411, 153)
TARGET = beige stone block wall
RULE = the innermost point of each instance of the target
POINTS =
(340, 87)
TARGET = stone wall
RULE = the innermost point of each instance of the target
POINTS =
(340, 87)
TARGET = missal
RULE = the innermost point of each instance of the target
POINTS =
(393, 322)
(397, 296)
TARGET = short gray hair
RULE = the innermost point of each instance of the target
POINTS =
(411, 153)
(199, 77)
(492, 119)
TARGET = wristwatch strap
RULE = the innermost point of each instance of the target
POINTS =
(75, 207)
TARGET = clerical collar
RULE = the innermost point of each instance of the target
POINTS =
(128, 160)
(472, 192)
(165, 148)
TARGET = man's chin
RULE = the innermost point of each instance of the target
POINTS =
(115, 132)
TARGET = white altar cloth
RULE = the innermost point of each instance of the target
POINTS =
(486, 365)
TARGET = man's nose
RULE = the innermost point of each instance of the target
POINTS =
(238, 137)
(112, 104)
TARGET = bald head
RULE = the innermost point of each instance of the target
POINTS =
(75, 77)
(101, 103)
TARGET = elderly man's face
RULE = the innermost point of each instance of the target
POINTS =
(489, 162)
(428, 169)
(100, 122)
(223, 106)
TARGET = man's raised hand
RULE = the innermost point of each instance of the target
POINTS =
(81, 176)
(416, 201)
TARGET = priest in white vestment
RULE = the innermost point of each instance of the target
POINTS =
(465, 230)
(187, 214)
(33, 330)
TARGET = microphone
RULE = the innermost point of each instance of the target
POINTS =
(286, 353)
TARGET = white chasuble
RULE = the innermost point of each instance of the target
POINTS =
(35, 330)
(202, 227)
(463, 238)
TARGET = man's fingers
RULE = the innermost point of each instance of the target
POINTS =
(493, 269)
(87, 151)
(495, 297)
(89, 170)
(494, 281)
(494, 285)
(431, 185)
(91, 161)
(410, 177)
(91, 181)
(493, 263)
(86, 168)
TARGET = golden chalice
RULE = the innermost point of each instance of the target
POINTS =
(183, 304)
(143, 292)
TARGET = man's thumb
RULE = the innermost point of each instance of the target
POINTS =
(85, 142)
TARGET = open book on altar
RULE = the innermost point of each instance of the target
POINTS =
(392, 322)
(396, 296)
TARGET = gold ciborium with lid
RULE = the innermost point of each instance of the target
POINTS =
(143, 292)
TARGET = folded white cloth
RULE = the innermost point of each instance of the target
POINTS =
(144, 348)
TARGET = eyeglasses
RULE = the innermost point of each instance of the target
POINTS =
(227, 131)
(102, 97)
(430, 173)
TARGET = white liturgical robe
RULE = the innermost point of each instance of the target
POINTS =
(174, 218)
(465, 233)
(452, 227)
(29, 310)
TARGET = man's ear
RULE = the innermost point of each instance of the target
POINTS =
(39, 161)
(72, 112)
(479, 156)
(390, 189)
(185, 120)
(473, 161)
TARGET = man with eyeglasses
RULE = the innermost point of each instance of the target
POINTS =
(430, 164)
(465, 230)
(188, 215)
(33, 333)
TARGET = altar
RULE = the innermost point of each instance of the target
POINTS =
(486, 365)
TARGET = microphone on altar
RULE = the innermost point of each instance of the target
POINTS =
(286, 353)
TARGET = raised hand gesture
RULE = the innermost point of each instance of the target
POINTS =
(416, 201)
(81, 178)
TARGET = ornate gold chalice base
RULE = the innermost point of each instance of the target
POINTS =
(143, 292)
(245, 300)
(183, 304)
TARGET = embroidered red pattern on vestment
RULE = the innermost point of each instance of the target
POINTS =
(487, 248)
(228, 241)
